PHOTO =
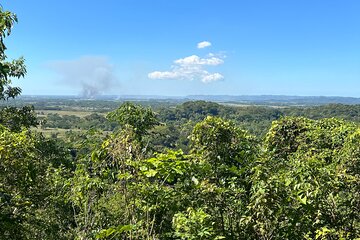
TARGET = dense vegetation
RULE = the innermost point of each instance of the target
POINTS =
(178, 119)
(191, 171)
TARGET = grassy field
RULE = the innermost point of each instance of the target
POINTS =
(56, 132)
(60, 132)
(44, 113)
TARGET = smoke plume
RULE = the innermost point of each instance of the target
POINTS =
(94, 75)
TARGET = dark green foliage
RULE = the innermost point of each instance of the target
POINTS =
(304, 186)
(92, 121)
(27, 197)
(221, 142)
(139, 118)
(16, 118)
(301, 182)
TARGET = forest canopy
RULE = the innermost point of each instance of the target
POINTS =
(126, 178)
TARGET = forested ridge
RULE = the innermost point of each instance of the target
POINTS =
(198, 170)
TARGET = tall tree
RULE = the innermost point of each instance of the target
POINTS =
(11, 117)
(140, 119)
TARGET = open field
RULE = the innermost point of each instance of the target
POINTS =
(43, 113)
(56, 132)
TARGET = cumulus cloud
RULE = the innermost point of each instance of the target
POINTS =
(192, 68)
(212, 77)
(94, 75)
(203, 44)
(196, 60)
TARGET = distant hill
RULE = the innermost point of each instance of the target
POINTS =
(277, 99)
(269, 100)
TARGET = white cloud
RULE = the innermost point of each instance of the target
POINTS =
(203, 44)
(187, 73)
(195, 60)
(193, 68)
(212, 78)
(163, 75)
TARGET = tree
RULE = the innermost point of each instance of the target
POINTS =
(27, 191)
(305, 184)
(29, 207)
(15, 68)
(11, 117)
(229, 154)
(139, 118)
(223, 144)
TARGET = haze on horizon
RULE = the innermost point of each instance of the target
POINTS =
(178, 48)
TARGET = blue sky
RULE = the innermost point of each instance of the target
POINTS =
(308, 47)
